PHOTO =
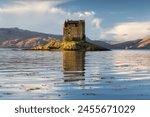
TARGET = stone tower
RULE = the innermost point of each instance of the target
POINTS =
(74, 30)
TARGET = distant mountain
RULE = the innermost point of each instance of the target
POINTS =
(135, 44)
(15, 37)
(144, 43)
(19, 38)
(100, 43)
(16, 33)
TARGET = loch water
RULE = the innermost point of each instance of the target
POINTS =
(116, 74)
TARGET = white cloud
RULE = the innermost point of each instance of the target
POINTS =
(83, 14)
(128, 31)
(32, 6)
(45, 16)
(96, 22)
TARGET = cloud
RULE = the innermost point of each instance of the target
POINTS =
(128, 31)
(84, 14)
(20, 6)
(45, 16)
(96, 22)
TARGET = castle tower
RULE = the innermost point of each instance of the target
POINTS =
(74, 30)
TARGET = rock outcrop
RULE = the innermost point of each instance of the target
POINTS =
(70, 45)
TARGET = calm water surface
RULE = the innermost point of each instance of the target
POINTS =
(118, 74)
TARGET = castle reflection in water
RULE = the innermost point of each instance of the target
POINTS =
(73, 63)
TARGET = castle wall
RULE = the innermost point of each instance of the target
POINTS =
(74, 30)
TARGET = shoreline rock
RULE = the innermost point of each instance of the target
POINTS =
(70, 46)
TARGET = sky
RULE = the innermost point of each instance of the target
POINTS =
(116, 20)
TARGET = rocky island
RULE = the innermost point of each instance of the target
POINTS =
(73, 39)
